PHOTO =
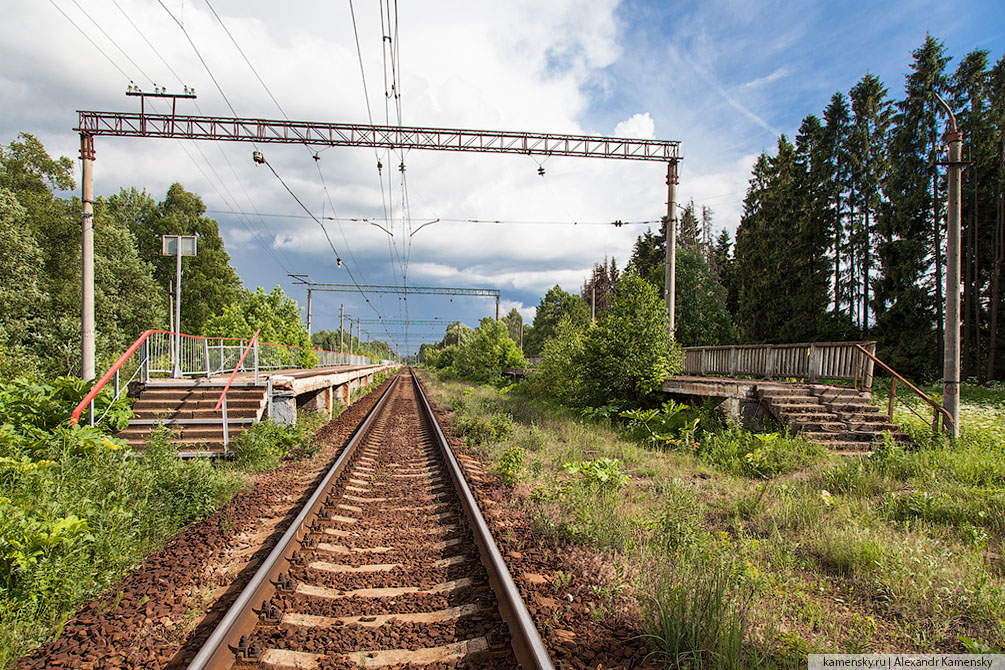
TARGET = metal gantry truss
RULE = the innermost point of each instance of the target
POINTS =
(317, 133)
(142, 124)
(303, 280)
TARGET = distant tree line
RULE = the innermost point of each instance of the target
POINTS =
(842, 234)
(843, 230)
(40, 272)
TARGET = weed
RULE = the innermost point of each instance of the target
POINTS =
(603, 473)
(511, 465)
(694, 617)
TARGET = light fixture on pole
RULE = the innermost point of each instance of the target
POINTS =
(177, 246)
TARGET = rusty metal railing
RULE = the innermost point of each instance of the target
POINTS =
(895, 377)
(812, 361)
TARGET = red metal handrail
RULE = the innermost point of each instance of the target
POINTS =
(75, 415)
(236, 368)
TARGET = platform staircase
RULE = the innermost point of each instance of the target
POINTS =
(187, 408)
(841, 418)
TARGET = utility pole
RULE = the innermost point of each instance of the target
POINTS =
(951, 358)
(177, 314)
(670, 278)
(87, 258)
(308, 314)
(521, 334)
(359, 337)
(341, 327)
(497, 308)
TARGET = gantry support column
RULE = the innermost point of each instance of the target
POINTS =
(87, 258)
(670, 277)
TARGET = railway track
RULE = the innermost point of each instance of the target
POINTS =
(389, 564)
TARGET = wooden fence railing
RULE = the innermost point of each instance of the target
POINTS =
(811, 361)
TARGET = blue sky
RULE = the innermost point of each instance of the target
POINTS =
(723, 77)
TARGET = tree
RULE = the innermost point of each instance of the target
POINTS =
(599, 288)
(486, 355)
(209, 281)
(780, 262)
(908, 295)
(996, 338)
(44, 242)
(555, 304)
(832, 170)
(868, 157)
(514, 324)
(559, 375)
(21, 292)
(720, 262)
(276, 315)
(702, 317)
(629, 352)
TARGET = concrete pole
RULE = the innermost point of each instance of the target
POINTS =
(177, 313)
(341, 327)
(497, 308)
(87, 259)
(951, 361)
(309, 314)
(670, 278)
(359, 336)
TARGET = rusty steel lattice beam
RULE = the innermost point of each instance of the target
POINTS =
(313, 133)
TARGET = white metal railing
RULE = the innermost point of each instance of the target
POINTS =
(209, 356)
(153, 354)
(811, 361)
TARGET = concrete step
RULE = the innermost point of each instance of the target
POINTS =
(791, 397)
(870, 410)
(193, 445)
(810, 415)
(819, 426)
(195, 403)
(795, 410)
(151, 411)
(177, 395)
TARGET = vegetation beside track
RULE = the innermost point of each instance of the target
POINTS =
(78, 510)
(746, 549)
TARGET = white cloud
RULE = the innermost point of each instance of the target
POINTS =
(767, 79)
(639, 126)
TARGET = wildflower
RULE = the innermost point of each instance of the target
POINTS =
(826, 499)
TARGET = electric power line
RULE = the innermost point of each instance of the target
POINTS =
(93, 43)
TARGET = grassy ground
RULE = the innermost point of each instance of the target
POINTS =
(77, 511)
(747, 550)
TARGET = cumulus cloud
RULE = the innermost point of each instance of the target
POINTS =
(639, 126)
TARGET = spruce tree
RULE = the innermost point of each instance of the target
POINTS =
(907, 315)
(867, 153)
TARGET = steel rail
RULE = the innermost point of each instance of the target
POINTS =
(527, 645)
(219, 650)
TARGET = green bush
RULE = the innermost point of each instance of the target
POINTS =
(487, 354)
(629, 353)
(559, 374)
(264, 445)
(77, 509)
(480, 430)
(511, 465)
